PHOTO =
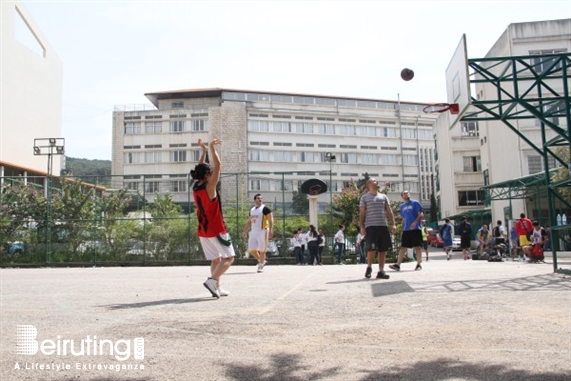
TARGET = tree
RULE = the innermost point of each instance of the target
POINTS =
(433, 209)
(90, 171)
(19, 204)
(562, 172)
(361, 182)
(299, 202)
(346, 207)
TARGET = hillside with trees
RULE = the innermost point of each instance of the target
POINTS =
(91, 171)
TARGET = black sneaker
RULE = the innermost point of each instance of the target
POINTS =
(395, 267)
(368, 272)
(418, 267)
(382, 275)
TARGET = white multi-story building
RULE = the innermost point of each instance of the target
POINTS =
(273, 142)
(31, 96)
(478, 153)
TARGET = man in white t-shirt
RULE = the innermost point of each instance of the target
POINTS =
(261, 224)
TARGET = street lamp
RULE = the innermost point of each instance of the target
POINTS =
(49, 147)
(330, 158)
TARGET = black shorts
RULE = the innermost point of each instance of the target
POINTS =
(411, 238)
(378, 238)
(465, 242)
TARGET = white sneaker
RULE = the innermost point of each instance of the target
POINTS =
(210, 285)
(261, 267)
(223, 292)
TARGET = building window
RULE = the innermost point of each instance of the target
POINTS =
(408, 133)
(259, 185)
(257, 155)
(283, 156)
(306, 157)
(472, 164)
(132, 185)
(541, 64)
(152, 186)
(258, 126)
(470, 198)
(177, 125)
(347, 130)
(178, 156)
(153, 157)
(153, 127)
(132, 128)
(535, 164)
(388, 132)
(195, 155)
(281, 126)
(132, 157)
(389, 159)
(177, 104)
(286, 185)
(424, 134)
(199, 125)
(304, 128)
(368, 131)
(369, 158)
(469, 129)
(409, 160)
(178, 186)
(323, 129)
(348, 158)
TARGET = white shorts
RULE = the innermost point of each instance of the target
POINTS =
(213, 249)
(258, 240)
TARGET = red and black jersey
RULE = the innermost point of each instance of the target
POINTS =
(209, 212)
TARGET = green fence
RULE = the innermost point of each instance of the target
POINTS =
(122, 220)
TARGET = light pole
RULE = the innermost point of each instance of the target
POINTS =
(49, 147)
(330, 158)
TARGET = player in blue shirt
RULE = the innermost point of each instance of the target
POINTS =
(412, 215)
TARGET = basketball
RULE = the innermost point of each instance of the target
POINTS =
(407, 74)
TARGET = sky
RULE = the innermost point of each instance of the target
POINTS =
(113, 52)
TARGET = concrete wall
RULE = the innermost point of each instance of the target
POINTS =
(31, 91)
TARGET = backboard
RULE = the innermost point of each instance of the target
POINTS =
(458, 81)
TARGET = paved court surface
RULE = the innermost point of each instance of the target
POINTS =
(454, 320)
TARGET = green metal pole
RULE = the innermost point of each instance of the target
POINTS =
(237, 206)
(283, 206)
(330, 191)
(49, 211)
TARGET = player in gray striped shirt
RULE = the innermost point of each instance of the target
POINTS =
(374, 209)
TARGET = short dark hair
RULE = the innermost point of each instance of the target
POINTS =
(256, 196)
(522, 215)
(499, 222)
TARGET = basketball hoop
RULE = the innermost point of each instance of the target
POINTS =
(442, 107)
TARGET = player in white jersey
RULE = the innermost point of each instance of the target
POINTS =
(261, 225)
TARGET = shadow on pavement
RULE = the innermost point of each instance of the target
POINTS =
(285, 367)
(156, 303)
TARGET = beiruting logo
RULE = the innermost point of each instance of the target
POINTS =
(27, 344)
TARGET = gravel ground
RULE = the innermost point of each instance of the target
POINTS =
(454, 320)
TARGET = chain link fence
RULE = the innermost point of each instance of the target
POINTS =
(142, 220)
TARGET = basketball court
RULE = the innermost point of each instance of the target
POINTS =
(454, 320)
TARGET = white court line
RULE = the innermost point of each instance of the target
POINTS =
(284, 295)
